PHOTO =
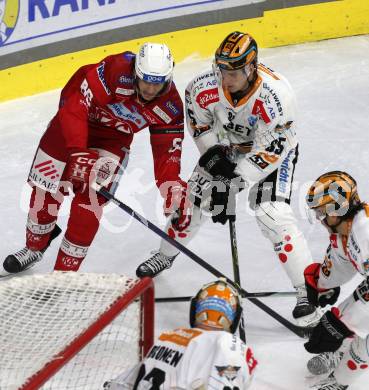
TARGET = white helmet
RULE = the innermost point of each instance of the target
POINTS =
(154, 63)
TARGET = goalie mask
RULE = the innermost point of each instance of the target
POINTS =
(335, 190)
(217, 306)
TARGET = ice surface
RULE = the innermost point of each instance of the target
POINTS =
(331, 81)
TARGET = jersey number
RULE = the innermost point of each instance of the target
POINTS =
(86, 92)
(155, 376)
(276, 146)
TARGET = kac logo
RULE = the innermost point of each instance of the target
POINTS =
(9, 11)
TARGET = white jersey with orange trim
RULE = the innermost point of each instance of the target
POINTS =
(191, 358)
(345, 256)
(261, 123)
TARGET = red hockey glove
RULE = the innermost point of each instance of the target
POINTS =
(329, 334)
(317, 296)
(177, 201)
(79, 168)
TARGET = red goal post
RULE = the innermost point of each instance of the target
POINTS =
(69, 330)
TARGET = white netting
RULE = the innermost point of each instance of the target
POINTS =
(42, 314)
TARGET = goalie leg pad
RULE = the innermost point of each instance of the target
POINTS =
(277, 222)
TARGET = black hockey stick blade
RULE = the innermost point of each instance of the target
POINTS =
(259, 294)
(300, 331)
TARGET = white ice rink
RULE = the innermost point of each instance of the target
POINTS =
(331, 80)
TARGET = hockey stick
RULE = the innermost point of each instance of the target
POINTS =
(261, 294)
(236, 271)
(300, 331)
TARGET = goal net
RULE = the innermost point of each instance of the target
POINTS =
(70, 330)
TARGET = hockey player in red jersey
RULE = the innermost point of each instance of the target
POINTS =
(208, 355)
(101, 108)
(241, 116)
(341, 338)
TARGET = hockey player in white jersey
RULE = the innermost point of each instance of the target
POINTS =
(206, 356)
(241, 115)
(341, 339)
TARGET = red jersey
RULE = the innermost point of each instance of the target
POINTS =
(101, 100)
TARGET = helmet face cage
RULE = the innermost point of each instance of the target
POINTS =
(336, 190)
(216, 306)
(154, 63)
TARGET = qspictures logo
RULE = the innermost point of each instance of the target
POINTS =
(9, 11)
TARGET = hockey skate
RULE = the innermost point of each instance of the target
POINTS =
(304, 312)
(155, 265)
(324, 363)
(26, 258)
(330, 383)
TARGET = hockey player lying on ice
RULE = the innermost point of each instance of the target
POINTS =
(334, 201)
(241, 115)
(101, 108)
(206, 356)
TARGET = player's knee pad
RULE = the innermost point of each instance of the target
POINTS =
(276, 219)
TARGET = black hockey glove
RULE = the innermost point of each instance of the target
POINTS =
(223, 196)
(328, 335)
(316, 296)
(216, 161)
(223, 200)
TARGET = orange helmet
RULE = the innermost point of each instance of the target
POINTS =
(217, 306)
(236, 51)
(337, 190)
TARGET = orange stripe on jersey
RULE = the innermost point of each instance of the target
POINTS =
(268, 71)
(245, 99)
(181, 336)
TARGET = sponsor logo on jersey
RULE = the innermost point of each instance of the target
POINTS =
(126, 79)
(124, 91)
(205, 98)
(70, 262)
(362, 291)
(172, 107)
(284, 172)
(150, 117)
(275, 98)
(204, 76)
(259, 161)
(252, 120)
(163, 115)
(259, 110)
(100, 73)
(122, 111)
(46, 172)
